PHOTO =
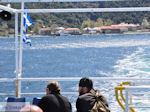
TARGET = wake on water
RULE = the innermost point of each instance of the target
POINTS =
(100, 56)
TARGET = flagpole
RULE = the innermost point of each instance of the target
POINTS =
(21, 50)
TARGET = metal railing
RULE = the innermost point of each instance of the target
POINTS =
(139, 81)
(132, 89)
(135, 85)
(18, 80)
(128, 94)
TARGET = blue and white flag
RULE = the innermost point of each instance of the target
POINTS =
(27, 22)
(26, 39)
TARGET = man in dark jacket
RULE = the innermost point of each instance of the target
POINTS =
(86, 99)
(54, 101)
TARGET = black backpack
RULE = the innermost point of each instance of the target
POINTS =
(99, 105)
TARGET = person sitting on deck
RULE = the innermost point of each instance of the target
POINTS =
(54, 101)
(31, 108)
(87, 96)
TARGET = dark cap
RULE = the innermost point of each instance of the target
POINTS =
(86, 82)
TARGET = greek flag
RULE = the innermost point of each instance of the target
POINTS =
(26, 39)
(27, 22)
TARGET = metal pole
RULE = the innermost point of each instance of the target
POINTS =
(130, 96)
(21, 50)
(126, 102)
(16, 47)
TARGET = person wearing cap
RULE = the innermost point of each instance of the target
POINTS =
(54, 101)
(86, 98)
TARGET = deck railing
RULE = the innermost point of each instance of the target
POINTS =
(128, 95)
(18, 80)
(136, 89)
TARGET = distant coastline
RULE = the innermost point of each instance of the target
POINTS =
(136, 32)
(129, 32)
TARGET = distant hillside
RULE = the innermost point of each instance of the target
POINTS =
(76, 19)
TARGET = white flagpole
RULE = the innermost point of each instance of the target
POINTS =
(21, 49)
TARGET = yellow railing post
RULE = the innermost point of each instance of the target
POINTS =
(121, 93)
(16, 85)
(117, 97)
(121, 88)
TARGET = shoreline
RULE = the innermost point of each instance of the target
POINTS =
(137, 32)
(32, 36)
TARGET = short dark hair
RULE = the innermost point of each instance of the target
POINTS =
(86, 82)
(54, 87)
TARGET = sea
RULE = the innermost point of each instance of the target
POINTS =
(112, 55)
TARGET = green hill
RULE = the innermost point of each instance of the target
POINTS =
(80, 19)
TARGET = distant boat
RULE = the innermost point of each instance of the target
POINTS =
(61, 34)
(64, 34)
(76, 33)
(55, 34)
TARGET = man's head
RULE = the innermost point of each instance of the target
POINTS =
(85, 85)
(53, 87)
(31, 108)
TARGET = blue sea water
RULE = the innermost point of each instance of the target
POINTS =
(125, 55)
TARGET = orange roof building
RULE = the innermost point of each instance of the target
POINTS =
(131, 27)
(113, 29)
(72, 29)
(45, 31)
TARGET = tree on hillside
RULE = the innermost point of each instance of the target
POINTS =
(85, 24)
(53, 28)
(99, 22)
(36, 28)
(88, 23)
(145, 24)
(92, 24)
(4, 25)
(108, 22)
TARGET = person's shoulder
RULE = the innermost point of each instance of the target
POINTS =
(50, 96)
(63, 97)
(87, 96)
(46, 96)
(100, 95)
(47, 99)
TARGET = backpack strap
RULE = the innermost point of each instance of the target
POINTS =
(100, 98)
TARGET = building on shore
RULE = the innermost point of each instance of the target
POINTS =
(117, 28)
(88, 30)
(131, 27)
(113, 29)
(45, 31)
(73, 31)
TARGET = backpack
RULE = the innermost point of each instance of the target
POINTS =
(99, 105)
